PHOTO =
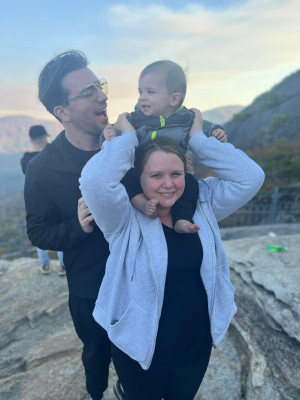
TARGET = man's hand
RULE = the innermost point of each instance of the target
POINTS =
(85, 218)
(109, 132)
(220, 135)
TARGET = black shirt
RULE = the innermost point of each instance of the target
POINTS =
(51, 197)
(184, 327)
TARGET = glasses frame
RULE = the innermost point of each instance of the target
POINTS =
(101, 84)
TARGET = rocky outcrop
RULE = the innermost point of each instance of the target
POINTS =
(258, 359)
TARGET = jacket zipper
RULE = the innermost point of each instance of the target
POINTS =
(150, 268)
(216, 266)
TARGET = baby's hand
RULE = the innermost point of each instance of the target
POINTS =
(109, 132)
(220, 135)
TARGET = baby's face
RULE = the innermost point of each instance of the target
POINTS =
(154, 99)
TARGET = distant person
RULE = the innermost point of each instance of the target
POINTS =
(39, 138)
(74, 95)
(160, 113)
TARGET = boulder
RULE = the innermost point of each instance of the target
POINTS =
(258, 359)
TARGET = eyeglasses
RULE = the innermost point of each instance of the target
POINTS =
(90, 91)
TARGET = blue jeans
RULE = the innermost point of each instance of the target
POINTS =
(44, 257)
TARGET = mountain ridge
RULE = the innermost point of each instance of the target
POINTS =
(14, 128)
(272, 115)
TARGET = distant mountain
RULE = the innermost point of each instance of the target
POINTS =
(14, 132)
(14, 129)
(221, 115)
(272, 115)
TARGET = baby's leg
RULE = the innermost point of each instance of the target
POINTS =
(184, 208)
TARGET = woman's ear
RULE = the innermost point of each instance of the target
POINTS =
(175, 99)
(62, 113)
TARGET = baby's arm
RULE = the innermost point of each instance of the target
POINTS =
(215, 130)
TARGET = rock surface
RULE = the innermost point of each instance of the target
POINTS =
(258, 359)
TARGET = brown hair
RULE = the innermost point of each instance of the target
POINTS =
(163, 144)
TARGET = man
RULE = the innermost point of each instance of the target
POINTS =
(39, 138)
(75, 96)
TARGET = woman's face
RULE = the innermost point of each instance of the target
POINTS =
(163, 178)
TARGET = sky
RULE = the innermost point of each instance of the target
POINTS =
(231, 50)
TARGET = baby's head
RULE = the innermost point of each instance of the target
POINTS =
(162, 88)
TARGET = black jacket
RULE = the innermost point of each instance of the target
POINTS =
(29, 155)
(51, 196)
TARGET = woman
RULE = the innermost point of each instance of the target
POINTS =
(160, 313)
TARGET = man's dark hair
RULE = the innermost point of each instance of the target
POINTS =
(51, 92)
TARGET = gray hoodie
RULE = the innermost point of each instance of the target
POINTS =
(131, 295)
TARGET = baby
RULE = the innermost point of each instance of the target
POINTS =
(160, 112)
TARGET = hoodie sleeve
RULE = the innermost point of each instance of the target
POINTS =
(100, 183)
(237, 177)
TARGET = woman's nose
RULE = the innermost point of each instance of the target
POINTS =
(167, 181)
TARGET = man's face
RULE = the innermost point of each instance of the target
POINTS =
(85, 116)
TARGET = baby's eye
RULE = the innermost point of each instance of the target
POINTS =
(150, 91)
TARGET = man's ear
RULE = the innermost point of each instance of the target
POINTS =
(62, 113)
(175, 99)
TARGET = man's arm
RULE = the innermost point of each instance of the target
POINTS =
(45, 225)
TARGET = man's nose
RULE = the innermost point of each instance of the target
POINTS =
(101, 96)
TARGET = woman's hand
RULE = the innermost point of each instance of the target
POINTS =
(123, 125)
(85, 218)
(197, 122)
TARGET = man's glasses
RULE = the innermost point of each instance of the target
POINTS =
(90, 91)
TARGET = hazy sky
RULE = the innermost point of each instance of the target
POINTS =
(232, 50)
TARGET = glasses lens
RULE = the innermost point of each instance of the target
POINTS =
(104, 85)
(90, 91)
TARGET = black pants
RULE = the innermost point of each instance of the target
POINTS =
(96, 354)
(167, 382)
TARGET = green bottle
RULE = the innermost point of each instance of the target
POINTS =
(272, 249)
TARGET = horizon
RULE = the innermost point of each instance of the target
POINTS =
(232, 50)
